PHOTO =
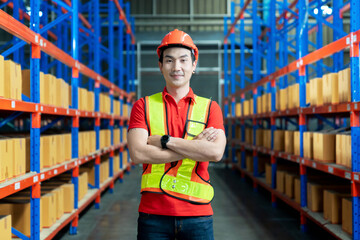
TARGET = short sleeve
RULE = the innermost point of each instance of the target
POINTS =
(216, 117)
(137, 116)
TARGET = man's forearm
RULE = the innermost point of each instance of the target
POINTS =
(154, 155)
(198, 150)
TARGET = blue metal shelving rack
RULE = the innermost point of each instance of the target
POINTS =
(281, 71)
(68, 53)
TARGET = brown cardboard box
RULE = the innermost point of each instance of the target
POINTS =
(290, 102)
(280, 181)
(297, 143)
(25, 82)
(324, 147)
(259, 137)
(289, 141)
(347, 215)
(67, 147)
(259, 102)
(344, 85)
(279, 140)
(5, 227)
(249, 163)
(19, 153)
(68, 190)
(249, 135)
(334, 91)
(48, 86)
(333, 206)
(339, 149)
(316, 92)
(116, 139)
(289, 184)
(237, 110)
(268, 173)
(127, 114)
(296, 95)
(6, 156)
(268, 96)
(251, 106)
(48, 211)
(308, 144)
(2, 77)
(346, 140)
(125, 159)
(326, 89)
(59, 198)
(18, 82)
(91, 101)
(10, 79)
(92, 135)
(116, 162)
(283, 99)
(58, 91)
(308, 93)
(246, 106)
(297, 189)
(47, 151)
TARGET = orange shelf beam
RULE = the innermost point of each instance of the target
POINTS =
(123, 17)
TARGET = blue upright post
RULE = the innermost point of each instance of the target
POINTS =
(338, 58)
(36, 123)
(319, 38)
(44, 20)
(355, 124)
(133, 56)
(128, 52)
(302, 40)
(97, 67)
(226, 82)
(74, 100)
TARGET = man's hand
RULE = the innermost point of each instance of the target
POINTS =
(209, 134)
(154, 140)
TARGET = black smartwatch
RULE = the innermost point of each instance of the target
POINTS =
(164, 140)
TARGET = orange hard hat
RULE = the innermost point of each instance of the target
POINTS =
(177, 37)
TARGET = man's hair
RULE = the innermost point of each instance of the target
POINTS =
(175, 45)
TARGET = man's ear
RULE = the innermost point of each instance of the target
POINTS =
(160, 66)
(194, 65)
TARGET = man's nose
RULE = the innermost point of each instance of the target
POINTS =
(176, 65)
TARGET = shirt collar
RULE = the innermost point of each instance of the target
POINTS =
(190, 95)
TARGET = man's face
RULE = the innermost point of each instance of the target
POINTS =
(177, 67)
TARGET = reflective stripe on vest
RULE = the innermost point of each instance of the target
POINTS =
(181, 180)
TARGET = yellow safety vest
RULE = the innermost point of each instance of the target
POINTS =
(181, 180)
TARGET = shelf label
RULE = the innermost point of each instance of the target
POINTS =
(67, 111)
(55, 110)
(313, 110)
(330, 169)
(348, 175)
(36, 108)
(289, 157)
(65, 166)
(42, 176)
(298, 160)
(356, 177)
(86, 158)
(348, 107)
(55, 171)
(12, 104)
(79, 162)
(93, 114)
(355, 105)
(302, 161)
(347, 40)
(314, 165)
(35, 179)
(330, 109)
(17, 186)
(41, 108)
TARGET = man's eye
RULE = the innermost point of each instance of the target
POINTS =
(169, 60)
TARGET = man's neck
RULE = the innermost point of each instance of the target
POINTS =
(178, 93)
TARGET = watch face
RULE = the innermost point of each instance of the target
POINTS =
(166, 138)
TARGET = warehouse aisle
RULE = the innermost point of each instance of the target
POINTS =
(239, 212)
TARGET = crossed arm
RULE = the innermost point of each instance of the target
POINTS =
(207, 146)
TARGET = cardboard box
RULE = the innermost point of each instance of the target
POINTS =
(249, 163)
(5, 227)
(259, 106)
(334, 88)
(324, 147)
(68, 190)
(296, 95)
(326, 89)
(116, 138)
(268, 172)
(279, 144)
(308, 144)
(48, 211)
(289, 185)
(277, 101)
(290, 102)
(10, 79)
(333, 204)
(59, 198)
(289, 142)
(346, 140)
(307, 93)
(283, 99)
(297, 143)
(127, 114)
(246, 107)
(347, 215)
(344, 85)
(280, 181)
(125, 159)
(116, 163)
(18, 82)
(25, 82)
(267, 138)
(237, 110)
(2, 77)
(251, 106)
(297, 190)
(259, 137)
(47, 151)
(338, 149)
(67, 147)
(6, 156)
(316, 92)
(249, 135)
(19, 153)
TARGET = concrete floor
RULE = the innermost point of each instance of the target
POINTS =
(239, 212)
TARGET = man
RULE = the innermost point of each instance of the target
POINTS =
(175, 134)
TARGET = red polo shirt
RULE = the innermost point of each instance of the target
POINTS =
(161, 204)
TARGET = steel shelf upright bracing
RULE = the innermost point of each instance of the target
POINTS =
(60, 17)
(297, 46)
